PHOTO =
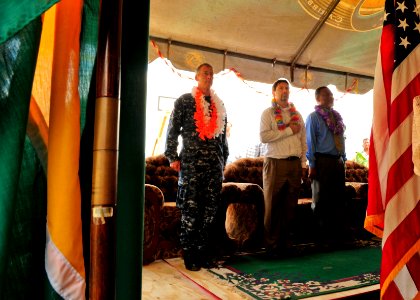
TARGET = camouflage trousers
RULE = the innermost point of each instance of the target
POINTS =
(199, 197)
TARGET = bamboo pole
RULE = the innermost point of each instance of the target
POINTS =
(105, 153)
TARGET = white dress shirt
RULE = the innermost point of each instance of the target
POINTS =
(282, 143)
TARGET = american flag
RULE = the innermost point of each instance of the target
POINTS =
(394, 190)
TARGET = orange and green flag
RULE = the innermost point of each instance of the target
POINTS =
(64, 249)
(47, 55)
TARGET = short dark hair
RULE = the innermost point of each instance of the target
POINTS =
(275, 84)
(203, 65)
(318, 90)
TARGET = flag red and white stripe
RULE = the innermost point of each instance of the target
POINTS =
(394, 190)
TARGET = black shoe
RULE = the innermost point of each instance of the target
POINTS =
(192, 265)
(286, 252)
(207, 258)
(279, 252)
(271, 253)
(191, 262)
(208, 263)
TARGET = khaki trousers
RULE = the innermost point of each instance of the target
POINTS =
(282, 181)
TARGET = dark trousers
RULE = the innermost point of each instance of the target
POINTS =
(281, 180)
(199, 197)
(328, 194)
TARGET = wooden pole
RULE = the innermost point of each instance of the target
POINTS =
(105, 153)
(159, 137)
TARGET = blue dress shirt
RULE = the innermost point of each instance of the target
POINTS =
(320, 139)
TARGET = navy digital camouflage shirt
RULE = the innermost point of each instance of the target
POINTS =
(211, 152)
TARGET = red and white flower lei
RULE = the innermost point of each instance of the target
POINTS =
(209, 117)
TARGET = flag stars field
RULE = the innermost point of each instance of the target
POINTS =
(417, 9)
(405, 42)
(403, 24)
(417, 27)
(401, 6)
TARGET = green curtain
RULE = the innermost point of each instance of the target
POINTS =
(88, 48)
(16, 14)
(22, 181)
(25, 273)
(17, 66)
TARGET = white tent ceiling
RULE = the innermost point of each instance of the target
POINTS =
(250, 35)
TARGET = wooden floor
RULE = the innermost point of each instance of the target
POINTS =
(168, 279)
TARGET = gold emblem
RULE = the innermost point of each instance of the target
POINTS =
(306, 79)
(193, 59)
(354, 15)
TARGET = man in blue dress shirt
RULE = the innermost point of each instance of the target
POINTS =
(326, 155)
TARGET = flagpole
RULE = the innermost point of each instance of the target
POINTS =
(105, 153)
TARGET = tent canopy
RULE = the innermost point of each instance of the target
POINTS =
(244, 102)
(311, 42)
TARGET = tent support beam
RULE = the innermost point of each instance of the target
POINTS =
(255, 58)
(311, 36)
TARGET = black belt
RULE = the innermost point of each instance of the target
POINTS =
(291, 158)
(317, 154)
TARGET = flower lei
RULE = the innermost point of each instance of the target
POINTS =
(332, 118)
(294, 116)
(209, 117)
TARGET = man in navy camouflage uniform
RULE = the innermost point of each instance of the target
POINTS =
(200, 118)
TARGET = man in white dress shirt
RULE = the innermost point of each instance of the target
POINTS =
(283, 130)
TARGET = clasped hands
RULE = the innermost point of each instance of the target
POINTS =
(295, 127)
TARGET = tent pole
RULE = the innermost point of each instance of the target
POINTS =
(224, 59)
(311, 36)
(131, 164)
(254, 58)
(105, 153)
